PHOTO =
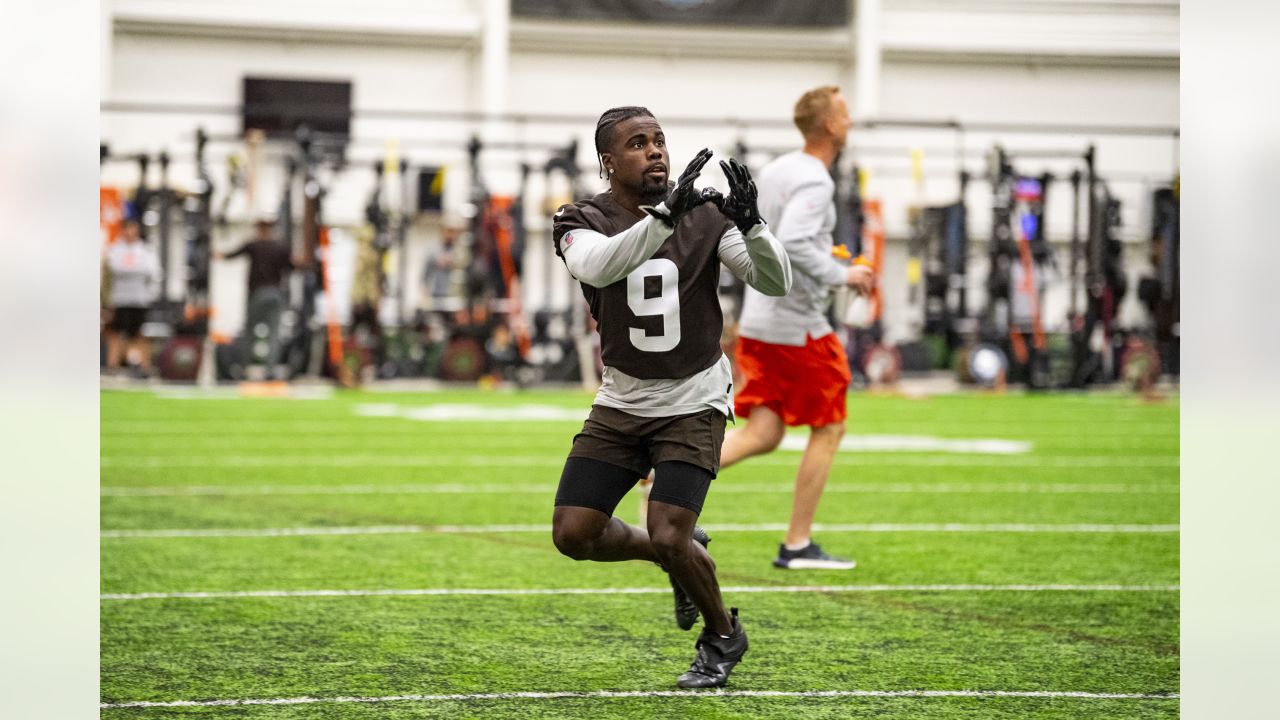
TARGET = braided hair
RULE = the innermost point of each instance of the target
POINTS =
(606, 124)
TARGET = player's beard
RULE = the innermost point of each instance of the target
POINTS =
(653, 193)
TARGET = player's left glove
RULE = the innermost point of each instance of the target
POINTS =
(683, 197)
(740, 206)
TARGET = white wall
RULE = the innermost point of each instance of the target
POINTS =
(1109, 63)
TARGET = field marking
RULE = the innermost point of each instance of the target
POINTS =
(120, 430)
(472, 592)
(476, 412)
(1039, 694)
(728, 487)
(367, 461)
(471, 412)
(725, 527)
(291, 392)
(916, 443)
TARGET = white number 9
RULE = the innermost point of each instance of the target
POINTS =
(666, 304)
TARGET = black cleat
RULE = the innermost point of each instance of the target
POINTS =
(686, 611)
(716, 657)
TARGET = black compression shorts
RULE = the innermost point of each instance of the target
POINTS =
(128, 320)
(601, 486)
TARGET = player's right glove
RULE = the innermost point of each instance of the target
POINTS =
(740, 206)
(683, 197)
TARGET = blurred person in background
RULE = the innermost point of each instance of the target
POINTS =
(647, 255)
(794, 368)
(437, 274)
(367, 287)
(269, 265)
(132, 274)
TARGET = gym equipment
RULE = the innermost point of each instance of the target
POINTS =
(233, 357)
(1139, 365)
(849, 215)
(1017, 254)
(464, 357)
(463, 360)
(1159, 292)
(111, 212)
(386, 226)
(986, 365)
(414, 351)
(316, 278)
(191, 327)
(395, 172)
(882, 364)
(297, 336)
(180, 358)
(561, 346)
(943, 237)
(154, 209)
(298, 324)
(871, 251)
(1094, 335)
(197, 231)
(161, 211)
(514, 253)
(870, 360)
(915, 246)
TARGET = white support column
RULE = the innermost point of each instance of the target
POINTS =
(106, 39)
(866, 97)
(495, 55)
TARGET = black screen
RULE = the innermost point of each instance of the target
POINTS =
(279, 106)
(431, 189)
(759, 13)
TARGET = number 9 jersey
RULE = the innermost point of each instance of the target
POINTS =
(663, 319)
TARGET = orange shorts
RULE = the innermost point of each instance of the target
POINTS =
(803, 385)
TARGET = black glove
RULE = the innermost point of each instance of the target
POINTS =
(740, 206)
(683, 197)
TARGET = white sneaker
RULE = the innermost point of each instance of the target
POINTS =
(810, 557)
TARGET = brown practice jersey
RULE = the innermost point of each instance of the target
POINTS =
(663, 320)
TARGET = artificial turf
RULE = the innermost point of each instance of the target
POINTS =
(359, 461)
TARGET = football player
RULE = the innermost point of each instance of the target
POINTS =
(647, 253)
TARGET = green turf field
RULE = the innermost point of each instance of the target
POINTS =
(1039, 581)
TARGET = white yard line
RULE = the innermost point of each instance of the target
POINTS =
(1099, 435)
(367, 461)
(727, 487)
(291, 392)
(420, 489)
(916, 443)
(726, 527)
(1045, 694)
(464, 412)
(471, 592)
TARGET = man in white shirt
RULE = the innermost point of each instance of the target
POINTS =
(133, 274)
(794, 367)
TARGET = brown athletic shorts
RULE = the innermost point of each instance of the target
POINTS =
(639, 443)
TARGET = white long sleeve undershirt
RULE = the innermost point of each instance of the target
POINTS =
(758, 259)
(598, 260)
